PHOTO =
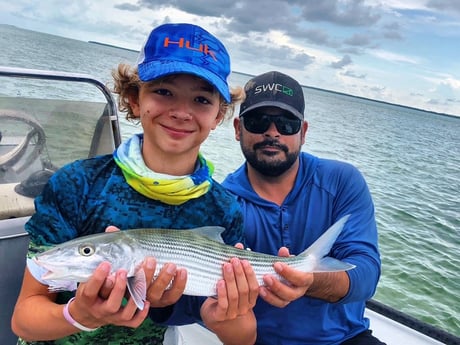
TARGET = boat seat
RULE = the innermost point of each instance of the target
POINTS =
(14, 205)
(102, 141)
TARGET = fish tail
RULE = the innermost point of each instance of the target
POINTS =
(322, 246)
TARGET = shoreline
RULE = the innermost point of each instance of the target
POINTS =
(366, 98)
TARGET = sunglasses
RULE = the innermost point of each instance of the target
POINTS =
(259, 123)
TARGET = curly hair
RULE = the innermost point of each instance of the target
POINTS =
(127, 83)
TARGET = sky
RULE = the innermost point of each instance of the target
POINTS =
(399, 51)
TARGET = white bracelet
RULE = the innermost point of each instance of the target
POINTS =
(70, 319)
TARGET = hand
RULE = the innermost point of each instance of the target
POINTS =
(164, 290)
(236, 293)
(92, 310)
(280, 294)
(168, 287)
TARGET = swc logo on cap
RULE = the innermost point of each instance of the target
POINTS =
(185, 44)
(273, 87)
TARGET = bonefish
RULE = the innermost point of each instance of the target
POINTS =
(200, 251)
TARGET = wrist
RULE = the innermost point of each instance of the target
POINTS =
(72, 321)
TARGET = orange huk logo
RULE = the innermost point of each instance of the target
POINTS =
(185, 44)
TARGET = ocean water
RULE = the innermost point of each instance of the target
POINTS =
(410, 159)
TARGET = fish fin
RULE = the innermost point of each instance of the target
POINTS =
(212, 232)
(329, 264)
(322, 246)
(61, 285)
(137, 287)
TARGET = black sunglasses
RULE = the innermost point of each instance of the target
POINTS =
(259, 123)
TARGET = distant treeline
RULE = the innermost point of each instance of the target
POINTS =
(113, 46)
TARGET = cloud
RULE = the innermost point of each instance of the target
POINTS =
(303, 37)
(347, 13)
(352, 74)
(444, 5)
(394, 57)
(346, 60)
(359, 40)
(283, 55)
(128, 7)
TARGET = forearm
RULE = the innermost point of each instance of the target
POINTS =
(38, 318)
(239, 331)
(329, 286)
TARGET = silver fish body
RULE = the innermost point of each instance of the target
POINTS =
(200, 251)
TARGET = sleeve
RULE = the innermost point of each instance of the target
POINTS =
(358, 243)
(57, 208)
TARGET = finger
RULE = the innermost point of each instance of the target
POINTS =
(96, 281)
(283, 251)
(129, 310)
(158, 287)
(149, 267)
(176, 290)
(231, 299)
(239, 246)
(140, 316)
(282, 290)
(111, 228)
(242, 286)
(253, 283)
(107, 287)
(269, 297)
(220, 312)
(126, 317)
(117, 294)
(293, 276)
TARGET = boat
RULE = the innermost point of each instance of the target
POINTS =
(50, 118)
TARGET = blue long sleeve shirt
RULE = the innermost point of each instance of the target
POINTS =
(324, 191)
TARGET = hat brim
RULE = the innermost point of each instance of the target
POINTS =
(280, 105)
(152, 70)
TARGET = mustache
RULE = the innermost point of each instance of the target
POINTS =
(272, 143)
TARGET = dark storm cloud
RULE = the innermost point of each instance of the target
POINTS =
(346, 60)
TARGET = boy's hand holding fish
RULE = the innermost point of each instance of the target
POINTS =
(91, 310)
(237, 292)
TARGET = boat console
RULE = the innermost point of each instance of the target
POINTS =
(47, 119)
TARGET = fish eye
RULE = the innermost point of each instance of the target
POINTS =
(86, 249)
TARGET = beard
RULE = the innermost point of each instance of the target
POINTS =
(272, 168)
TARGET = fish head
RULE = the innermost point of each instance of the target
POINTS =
(77, 259)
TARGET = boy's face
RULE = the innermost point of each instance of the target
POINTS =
(177, 114)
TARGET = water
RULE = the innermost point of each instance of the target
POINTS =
(410, 159)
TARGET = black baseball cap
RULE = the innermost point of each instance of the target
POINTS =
(274, 89)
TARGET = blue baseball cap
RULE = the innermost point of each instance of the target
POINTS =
(185, 48)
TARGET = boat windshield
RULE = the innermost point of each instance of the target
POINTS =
(48, 119)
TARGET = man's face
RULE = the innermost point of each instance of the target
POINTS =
(268, 151)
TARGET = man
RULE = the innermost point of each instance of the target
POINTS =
(289, 198)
